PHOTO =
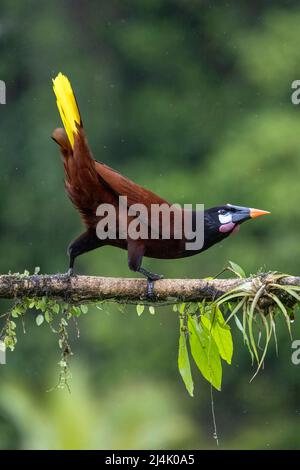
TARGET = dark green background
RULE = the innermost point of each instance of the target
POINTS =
(190, 99)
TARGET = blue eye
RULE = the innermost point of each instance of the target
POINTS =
(222, 212)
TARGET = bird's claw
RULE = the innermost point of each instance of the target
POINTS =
(150, 285)
(70, 272)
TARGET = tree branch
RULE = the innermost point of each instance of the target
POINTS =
(89, 288)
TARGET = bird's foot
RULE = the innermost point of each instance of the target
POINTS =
(68, 274)
(150, 284)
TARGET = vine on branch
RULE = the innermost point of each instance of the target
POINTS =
(254, 304)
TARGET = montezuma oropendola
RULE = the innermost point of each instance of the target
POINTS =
(90, 183)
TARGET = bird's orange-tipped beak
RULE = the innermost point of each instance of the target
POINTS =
(257, 213)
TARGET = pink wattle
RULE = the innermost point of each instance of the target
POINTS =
(227, 227)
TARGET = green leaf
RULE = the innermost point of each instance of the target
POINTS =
(237, 269)
(283, 310)
(84, 308)
(184, 364)
(151, 310)
(48, 316)
(192, 308)
(234, 310)
(14, 313)
(39, 319)
(12, 325)
(268, 330)
(41, 304)
(140, 309)
(76, 311)
(214, 321)
(245, 336)
(181, 308)
(55, 308)
(18, 310)
(227, 297)
(205, 352)
(249, 319)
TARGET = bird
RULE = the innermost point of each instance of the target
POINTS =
(90, 184)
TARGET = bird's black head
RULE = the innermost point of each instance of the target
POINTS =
(221, 221)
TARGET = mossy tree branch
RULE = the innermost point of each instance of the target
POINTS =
(259, 299)
(91, 289)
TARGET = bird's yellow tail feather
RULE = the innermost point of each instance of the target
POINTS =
(67, 106)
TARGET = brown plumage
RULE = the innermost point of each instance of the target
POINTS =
(90, 183)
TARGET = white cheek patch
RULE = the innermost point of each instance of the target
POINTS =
(225, 218)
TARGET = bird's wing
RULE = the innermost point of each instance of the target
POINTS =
(123, 186)
(135, 194)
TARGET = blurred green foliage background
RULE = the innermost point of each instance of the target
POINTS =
(188, 98)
